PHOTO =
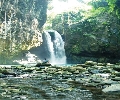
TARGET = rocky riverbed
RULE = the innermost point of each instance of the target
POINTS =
(88, 81)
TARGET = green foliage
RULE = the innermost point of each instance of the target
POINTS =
(101, 6)
(98, 3)
(97, 33)
(20, 22)
(90, 35)
(75, 48)
(62, 21)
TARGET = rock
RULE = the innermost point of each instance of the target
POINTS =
(117, 68)
(98, 66)
(91, 84)
(106, 71)
(28, 70)
(101, 64)
(25, 75)
(117, 74)
(96, 80)
(76, 72)
(2, 82)
(109, 82)
(93, 71)
(104, 75)
(71, 69)
(2, 75)
(91, 63)
(7, 72)
(116, 79)
(61, 95)
(63, 73)
(109, 64)
(50, 70)
(112, 88)
(42, 64)
(83, 65)
(30, 35)
(49, 77)
(38, 64)
(75, 69)
(66, 76)
(80, 69)
(77, 81)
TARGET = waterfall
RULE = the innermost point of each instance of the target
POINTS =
(52, 49)
(55, 47)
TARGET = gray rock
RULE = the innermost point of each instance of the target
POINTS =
(91, 63)
(116, 79)
(117, 74)
(93, 71)
(117, 68)
(112, 88)
(109, 82)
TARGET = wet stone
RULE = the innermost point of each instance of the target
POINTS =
(116, 79)
(117, 74)
(51, 82)
(91, 63)
(117, 68)
(112, 88)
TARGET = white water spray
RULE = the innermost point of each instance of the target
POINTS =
(55, 46)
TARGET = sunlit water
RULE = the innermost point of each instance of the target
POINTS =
(44, 86)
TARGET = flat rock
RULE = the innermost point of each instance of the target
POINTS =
(91, 63)
(116, 79)
(109, 82)
(112, 88)
(117, 68)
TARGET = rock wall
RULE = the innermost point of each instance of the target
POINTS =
(94, 39)
(21, 24)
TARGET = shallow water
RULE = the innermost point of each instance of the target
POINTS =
(64, 65)
(44, 86)
(39, 88)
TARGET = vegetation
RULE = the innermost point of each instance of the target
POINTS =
(20, 26)
(87, 34)
(94, 36)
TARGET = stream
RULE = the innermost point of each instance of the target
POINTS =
(51, 83)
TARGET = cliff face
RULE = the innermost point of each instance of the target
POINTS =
(94, 39)
(21, 24)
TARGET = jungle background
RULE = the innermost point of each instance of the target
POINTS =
(92, 34)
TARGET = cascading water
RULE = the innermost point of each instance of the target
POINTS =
(55, 46)
(52, 49)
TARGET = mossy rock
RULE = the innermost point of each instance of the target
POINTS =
(117, 68)
(28, 70)
(117, 74)
(106, 71)
(91, 63)
(2, 75)
(42, 64)
(116, 79)
(50, 70)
